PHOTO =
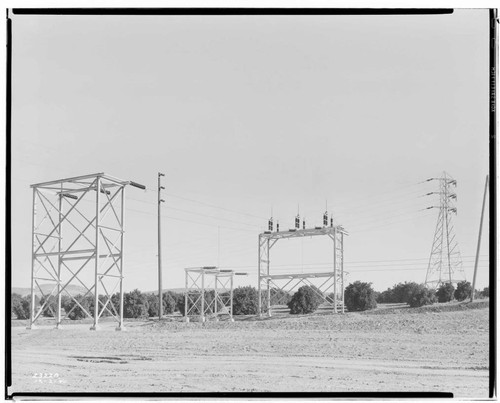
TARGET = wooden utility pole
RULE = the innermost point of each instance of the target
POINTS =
(479, 240)
(160, 288)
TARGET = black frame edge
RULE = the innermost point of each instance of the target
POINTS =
(493, 44)
(8, 241)
(229, 11)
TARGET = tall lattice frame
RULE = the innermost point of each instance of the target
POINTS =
(330, 282)
(445, 262)
(78, 238)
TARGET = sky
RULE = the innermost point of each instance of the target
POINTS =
(250, 116)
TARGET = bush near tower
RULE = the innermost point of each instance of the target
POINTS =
(305, 300)
(463, 291)
(445, 292)
(421, 296)
(245, 301)
(359, 296)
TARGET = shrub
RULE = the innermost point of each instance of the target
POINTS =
(463, 291)
(422, 296)
(305, 300)
(399, 293)
(402, 292)
(179, 301)
(135, 304)
(359, 296)
(88, 302)
(20, 306)
(152, 304)
(168, 303)
(50, 307)
(486, 292)
(385, 297)
(245, 301)
(445, 292)
(278, 297)
(75, 311)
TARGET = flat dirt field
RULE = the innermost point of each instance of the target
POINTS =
(443, 348)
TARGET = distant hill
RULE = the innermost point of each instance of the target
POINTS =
(47, 288)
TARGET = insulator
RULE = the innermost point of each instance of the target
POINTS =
(304, 224)
(297, 222)
(278, 227)
(270, 224)
(331, 222)
(325, 219)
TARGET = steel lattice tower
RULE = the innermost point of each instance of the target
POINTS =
(445, 263)
(78, 239)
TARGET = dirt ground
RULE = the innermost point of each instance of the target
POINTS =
(435, 349)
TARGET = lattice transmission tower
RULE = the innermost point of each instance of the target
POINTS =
(445, 262)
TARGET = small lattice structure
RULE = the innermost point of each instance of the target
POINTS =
(77, 239)
(209, 293)
(329, 286)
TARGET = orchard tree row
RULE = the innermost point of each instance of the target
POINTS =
(358, 296)
(403, 292)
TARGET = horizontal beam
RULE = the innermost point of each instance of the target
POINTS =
(101, 175)
(86, 257)
(303, 232)
(68, 252)
(297, 275)
(91, 187)
(73, 179)
(201, 270)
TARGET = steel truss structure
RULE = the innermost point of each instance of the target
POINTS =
(328, 282)
(445, 262)
(209, 293)
(78, 239)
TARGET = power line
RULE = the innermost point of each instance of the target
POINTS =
(190, 221)
(200, 214)
(316, 266)
(210, 216)
(217, 207)
(214, 206)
